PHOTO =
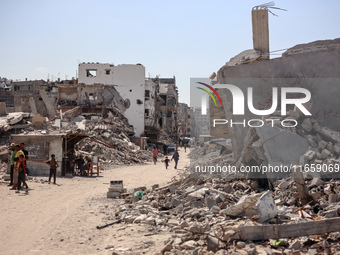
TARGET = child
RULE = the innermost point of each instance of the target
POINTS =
(166, 160)
(53, 168)
(21, 168)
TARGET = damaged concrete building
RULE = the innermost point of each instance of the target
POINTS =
(168, 91)
(31, 96)
(128, 80)
(153, 113)
(314, 66)
(184, 120)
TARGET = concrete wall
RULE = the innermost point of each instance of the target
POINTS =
(129, 81)
(317, 64)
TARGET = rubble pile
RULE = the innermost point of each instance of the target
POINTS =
(308, 143)
(108, 139)
(222, 216)
(15, 120)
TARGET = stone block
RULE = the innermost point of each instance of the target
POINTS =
(209, 201)
(325, 153)
(295, 245)
(322, 144)
(333, 198)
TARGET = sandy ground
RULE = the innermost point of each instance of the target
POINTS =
(62, 219)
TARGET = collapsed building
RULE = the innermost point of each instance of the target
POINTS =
(115, 104)
(313, 66)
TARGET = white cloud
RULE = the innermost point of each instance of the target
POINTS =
(40, 69)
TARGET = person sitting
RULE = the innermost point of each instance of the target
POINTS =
(80, 162)
(88, 163)
(71, 161)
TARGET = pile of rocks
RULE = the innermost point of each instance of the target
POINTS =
(202, 215)
(15, 120)
(109, 138)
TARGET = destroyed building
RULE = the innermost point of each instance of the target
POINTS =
(313, 66)
(31, 96)
(168, 91)
(153, 113)
(128, 80)
(200, 122)
(184, 120)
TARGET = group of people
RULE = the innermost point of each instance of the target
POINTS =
(19, 169)
(174, 157)
(79, 162)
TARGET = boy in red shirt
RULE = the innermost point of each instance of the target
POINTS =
(20, 165)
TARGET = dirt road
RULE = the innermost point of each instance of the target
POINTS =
(62, 219)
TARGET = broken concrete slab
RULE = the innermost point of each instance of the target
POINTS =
(246, 206)
(266, 232)
(275, 143)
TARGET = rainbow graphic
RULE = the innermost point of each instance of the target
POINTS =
(208, 92)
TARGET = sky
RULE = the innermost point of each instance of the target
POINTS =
(186, 39)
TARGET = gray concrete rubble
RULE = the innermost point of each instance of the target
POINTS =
(221, 216)
(14, 120)
(108, 138)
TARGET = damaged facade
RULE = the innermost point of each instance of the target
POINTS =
(128, 80)
(184, 120)
(168, 91)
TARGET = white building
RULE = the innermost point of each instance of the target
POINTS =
(129, 81)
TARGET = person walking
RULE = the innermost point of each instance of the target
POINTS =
(155, 154)
(13, 152)
(166, 161)
(20, 165)
(175, 157)
(53, 168)
(185, 147)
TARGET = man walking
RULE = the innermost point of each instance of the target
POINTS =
(155, 154)
(13, 152)
(53, 168)
(175, 157)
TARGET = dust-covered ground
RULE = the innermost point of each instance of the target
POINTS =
(62, 218)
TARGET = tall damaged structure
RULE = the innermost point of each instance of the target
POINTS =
(168, 91)
(128, 80)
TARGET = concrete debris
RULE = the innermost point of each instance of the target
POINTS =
(14, 120)
(214, 215)
(109, 138)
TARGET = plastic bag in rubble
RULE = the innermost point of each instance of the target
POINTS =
(246, 206)
(261, 204)
(139, 194)
(266, 207)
